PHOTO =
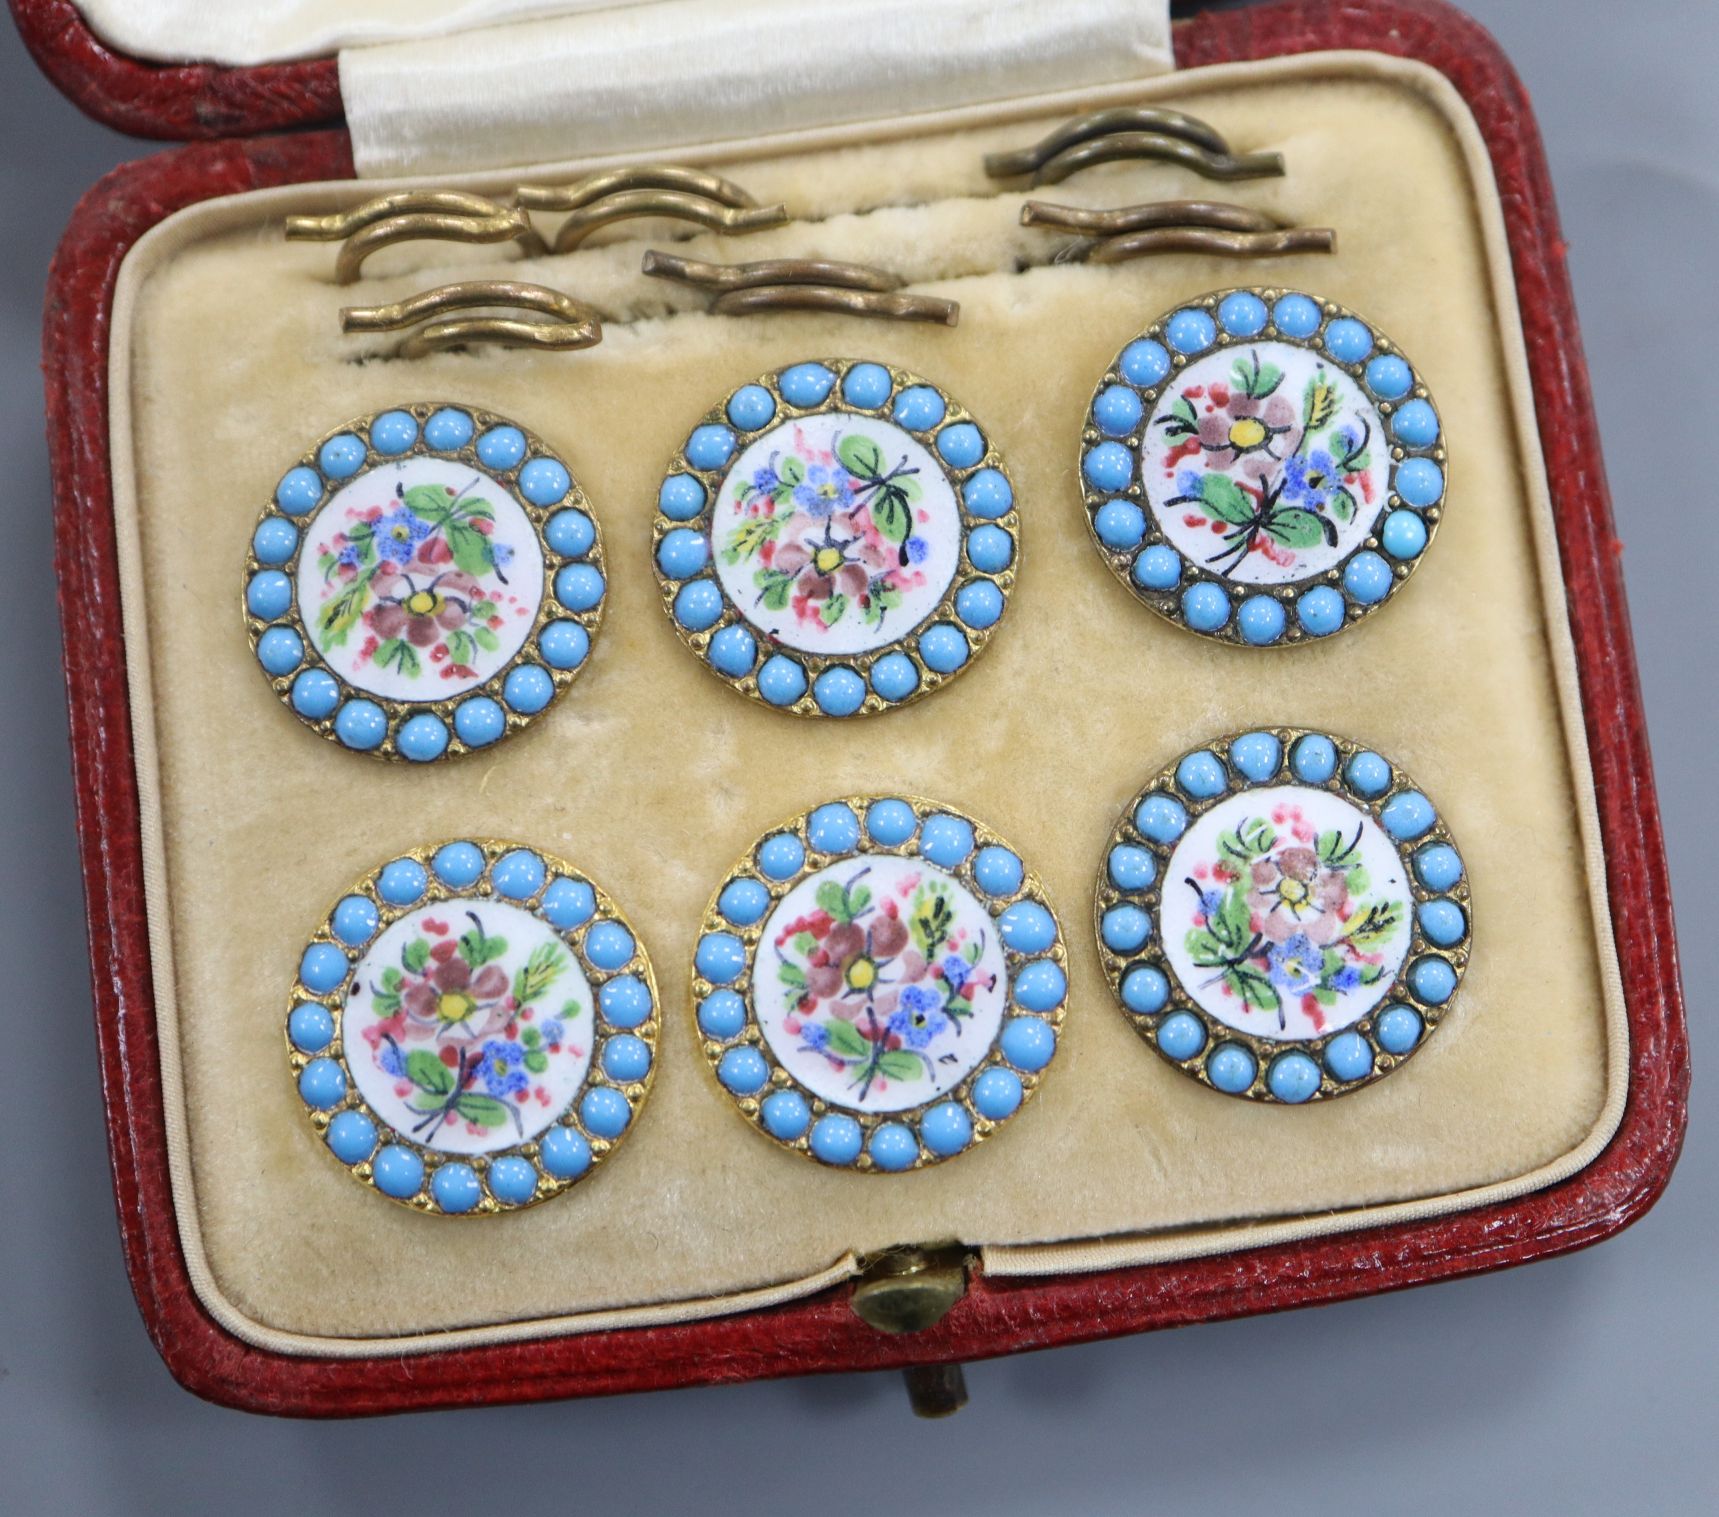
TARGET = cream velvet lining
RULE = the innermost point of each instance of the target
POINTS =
(655, 778)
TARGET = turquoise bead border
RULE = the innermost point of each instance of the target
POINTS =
(710, 480)
(1168, 601)
(481, 889)
(1219, 1036)
(750, 1036)
(492, 690)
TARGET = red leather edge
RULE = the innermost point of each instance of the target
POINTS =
(178, 101)
(997, 1316)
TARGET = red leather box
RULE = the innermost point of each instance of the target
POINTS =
(235, 123)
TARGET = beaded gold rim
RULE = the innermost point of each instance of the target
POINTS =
(602, 1108)
(751, 1072)
(926, 654)
(554, 651)
(1172, 1020)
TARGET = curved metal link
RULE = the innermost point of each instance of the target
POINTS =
(1278, 244)
(847, 302)
(1161, 148)
(1156, 213)
(721, 277)
(446, 215)
(640, 176)
(1121, 118)
(569, 324)
(629, 204)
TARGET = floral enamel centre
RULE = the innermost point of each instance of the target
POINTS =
(420, 580)
(836, 533)
(1264, 463)
(1286, 913)
(880, 983)
(468, 1028)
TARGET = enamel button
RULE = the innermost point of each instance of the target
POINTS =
(836, 538)
(1263, 467)
(1284, 915)
(424, 582)
(880, 983)
(473, 1028)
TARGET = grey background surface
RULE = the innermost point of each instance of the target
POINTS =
(1586, 1384)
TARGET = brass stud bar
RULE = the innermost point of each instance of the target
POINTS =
(498, 331)
(1122, 118)
(848, 302)
(567, 324)
(642, 176)
(342, 224)
(627, 205)
(1161, 148)
(719, 278)
(1278, 244)
(1139, 218)
(445, 215)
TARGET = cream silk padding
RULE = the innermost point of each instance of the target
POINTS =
(271, 31)
(689, 71)
(435, 86)
(656, 777)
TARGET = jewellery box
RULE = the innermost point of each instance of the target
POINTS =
(192, 354)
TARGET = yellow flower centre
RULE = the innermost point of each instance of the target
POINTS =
(1247, 432)
(455, 1006)
(828, 560)
(862, 974)
(424, 603)
(1292, 892)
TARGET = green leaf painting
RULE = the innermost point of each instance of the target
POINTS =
(386, 598)
(1275, 450)
(1225, 500)
(1285, 916)
(828, 522)
(428, 1072)
(880, 971)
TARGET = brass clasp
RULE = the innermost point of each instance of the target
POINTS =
(906, 1290)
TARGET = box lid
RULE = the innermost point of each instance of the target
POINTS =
(152, 81)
